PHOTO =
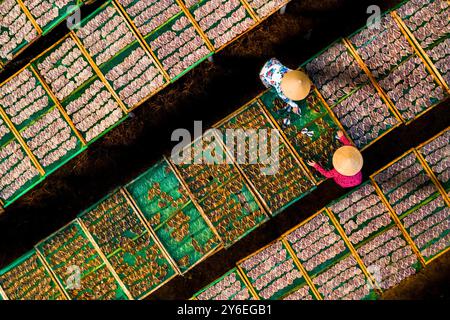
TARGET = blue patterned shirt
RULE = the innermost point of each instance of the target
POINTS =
(271, 75)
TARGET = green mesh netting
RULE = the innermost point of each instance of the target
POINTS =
(178, 224)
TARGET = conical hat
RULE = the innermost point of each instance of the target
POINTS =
(348, 161)
(295, 85)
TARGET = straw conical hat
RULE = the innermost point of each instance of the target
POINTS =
(295, 85)
(348, 161)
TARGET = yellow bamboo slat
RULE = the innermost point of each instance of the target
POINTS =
(103, 257)
(3, 294)
(42, 257)
(244, 276)
(433, 137)
(251, 11)
(58, 105)
(247, 181)
(50, 48)
(247, 283)
(273, 11)
(261, 203)
(398, 222)
(284, 235)
(149, 229)
(302, 269)
(52, 274)
(14, 75)
(196, 25)
(333, 115)
(420, 51)
(191, 196)
(437, 256)
(387, 100)
(431, 174)
(242, 272)
(18, 53)
(154, 238)
(29, 16)
(284, 141)
(288, 144)
(353, 251)
(98, 71)
(237, 37)
(142, 41)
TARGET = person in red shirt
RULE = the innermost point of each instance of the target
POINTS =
(347, 163)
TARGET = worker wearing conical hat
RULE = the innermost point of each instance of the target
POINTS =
(291, 85)
(347, 163)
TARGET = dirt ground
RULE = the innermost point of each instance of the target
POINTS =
(209, 93)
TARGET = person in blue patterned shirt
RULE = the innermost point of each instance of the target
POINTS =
(290, 85)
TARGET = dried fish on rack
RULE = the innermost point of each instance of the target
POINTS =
(429, 227)
(24, 98)
(233, 210)
(51, 139)
(277, 176)
(70, 249)
(312, 133)
(104, 34)
(222, 21)
(389, 258)
(365, 116)
(361, 214)
(412, 89)
(428, 20)
(336, 73)
(405, 184)
(93, 110)
(176, 221)
(317, 243)
(28, 279)
(344, 280)
(437, 156)
(17, 171)
(128, 245)
(48, 13)
(64, 68)
(178, 45)
(16, 28)
(263, 8)
(129, 68)
(273, 273)
(148, 15)
(382, 49)
(228, 287)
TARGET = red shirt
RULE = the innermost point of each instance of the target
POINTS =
(343, 181)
